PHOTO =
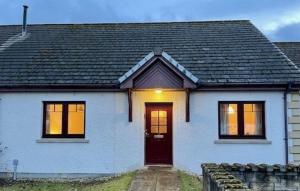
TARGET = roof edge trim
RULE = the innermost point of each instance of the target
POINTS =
(180, 67)
(136, 67)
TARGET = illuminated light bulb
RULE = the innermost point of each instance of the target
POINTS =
(158, 91)
(230, 110)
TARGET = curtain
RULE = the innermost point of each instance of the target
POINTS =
(224, 119)
(257, 108)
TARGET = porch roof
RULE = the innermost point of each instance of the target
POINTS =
(166, 56)
(218, 53)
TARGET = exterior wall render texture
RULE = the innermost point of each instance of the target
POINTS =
(115, 145)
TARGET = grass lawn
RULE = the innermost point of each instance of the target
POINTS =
(121, 183)
(189, 182)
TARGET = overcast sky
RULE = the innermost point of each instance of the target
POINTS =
(278, 19)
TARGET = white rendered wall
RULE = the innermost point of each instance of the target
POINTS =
(107, 130)
(115, 145)
(196, 140)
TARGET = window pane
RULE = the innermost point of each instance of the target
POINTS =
(54, 119)
(228, 119)
(154, 129)
(154, 120)
(154, 113)
(50, 107)
(158, 121)
(248, 107)
(162, 114)
(257, 107)
(162, 121)
(253, 119)
(163, 129)
(72, 107)
(76, 119)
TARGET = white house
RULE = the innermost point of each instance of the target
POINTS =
(90, 99)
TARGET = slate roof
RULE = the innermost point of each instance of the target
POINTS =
(96, 55)
(291, 50)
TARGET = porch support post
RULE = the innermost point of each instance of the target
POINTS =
(187, 105)
(129, 105)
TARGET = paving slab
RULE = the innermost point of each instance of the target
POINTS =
(156, 179)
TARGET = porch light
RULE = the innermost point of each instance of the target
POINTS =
(158, 91)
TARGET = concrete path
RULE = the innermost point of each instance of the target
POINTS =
(156, 179)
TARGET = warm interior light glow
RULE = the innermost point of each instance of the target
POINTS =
(54, 119)
(158, 91)
(252, 119)
(230, 110)
(76, 119)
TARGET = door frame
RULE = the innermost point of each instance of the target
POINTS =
(170, 104)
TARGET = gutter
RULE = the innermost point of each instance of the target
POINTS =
(61, 88)
(116, 87)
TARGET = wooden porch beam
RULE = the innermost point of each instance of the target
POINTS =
(187, 105)
(129, 105)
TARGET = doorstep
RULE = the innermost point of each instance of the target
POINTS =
(156, 178)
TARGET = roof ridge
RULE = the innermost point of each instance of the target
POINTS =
(128, 23)
(286, 57)
(289, 62)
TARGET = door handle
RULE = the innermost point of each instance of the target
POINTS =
(146, 133)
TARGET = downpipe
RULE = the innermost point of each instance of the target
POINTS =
(286, 141)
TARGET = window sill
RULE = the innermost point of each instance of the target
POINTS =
(242, 141)
(62, 140)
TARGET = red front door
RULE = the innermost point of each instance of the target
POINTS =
(158, 133)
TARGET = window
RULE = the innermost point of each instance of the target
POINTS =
(64, 120)
(158, 122)
(241, 120)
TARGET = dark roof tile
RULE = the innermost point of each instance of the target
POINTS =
(216, 52)
(291, 50)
